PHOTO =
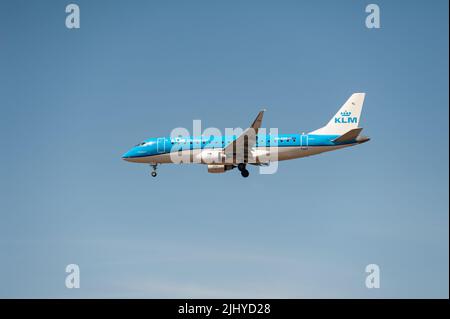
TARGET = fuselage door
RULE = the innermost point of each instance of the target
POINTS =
(304, 141)
(161, 145)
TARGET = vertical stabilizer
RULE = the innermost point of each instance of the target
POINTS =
(346, 119)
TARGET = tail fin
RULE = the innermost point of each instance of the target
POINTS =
(346, 118)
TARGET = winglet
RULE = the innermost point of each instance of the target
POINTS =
(257, 122)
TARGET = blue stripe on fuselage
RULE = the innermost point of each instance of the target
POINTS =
(157, 146)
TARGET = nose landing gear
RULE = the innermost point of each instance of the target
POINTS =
(242, 168)
(153, 173)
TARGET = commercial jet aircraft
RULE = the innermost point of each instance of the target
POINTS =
(224, 153)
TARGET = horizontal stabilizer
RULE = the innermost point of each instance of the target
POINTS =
(349, 136)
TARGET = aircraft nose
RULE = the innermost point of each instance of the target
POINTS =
(128, 155)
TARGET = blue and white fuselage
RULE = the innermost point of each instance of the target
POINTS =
(286, 146)
(222, 153)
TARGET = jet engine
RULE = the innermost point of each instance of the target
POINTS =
(219, 168)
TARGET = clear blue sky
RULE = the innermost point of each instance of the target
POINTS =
(73, 101)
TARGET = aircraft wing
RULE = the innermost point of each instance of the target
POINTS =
(238, 149)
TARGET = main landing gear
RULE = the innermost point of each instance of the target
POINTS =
(243, 170)
(154, 166)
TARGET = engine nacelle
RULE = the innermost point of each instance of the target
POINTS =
(219, 168)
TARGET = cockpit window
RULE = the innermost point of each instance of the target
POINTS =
(141, 144)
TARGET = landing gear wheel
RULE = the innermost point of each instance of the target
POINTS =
(245, 173)
(241, 167)
(154, 167)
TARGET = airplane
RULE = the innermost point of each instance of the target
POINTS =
(224, 153)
